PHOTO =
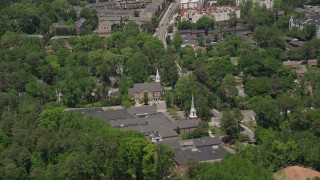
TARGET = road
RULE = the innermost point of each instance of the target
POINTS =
(215, 121)
(161, 31)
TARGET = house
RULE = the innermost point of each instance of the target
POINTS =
(300, 72)
(60, 28)
(200, 150)
(79, 24)
(296, 43)
(300, 23)
(312, 63)
(264, 3)
(153, 90)
(291, 64)
(48, 48)
(238, 80)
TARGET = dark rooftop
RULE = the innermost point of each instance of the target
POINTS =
(142, 86)
(201, 154)
(100, 4)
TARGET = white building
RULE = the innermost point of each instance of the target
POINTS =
(187, 4)
(267, 3)
(220, 13)
(300, 23)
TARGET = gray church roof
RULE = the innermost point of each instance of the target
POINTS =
(142, 86)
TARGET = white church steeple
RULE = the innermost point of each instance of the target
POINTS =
(193, 111)
(157, 77)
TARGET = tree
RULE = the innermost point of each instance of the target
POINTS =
(136, 13)
(178, 130)
(235, 165)
(309, 32)
(168, 100)
(230, 124)
(136, 69)
(233, 19)
(164, 162)
(177, 41)
(257, 86)
(145, 98)
(205, 23)
(185, 25)
(228, 90)
(267, 113)
(131, 28)
(169, 72)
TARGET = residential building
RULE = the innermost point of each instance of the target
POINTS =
(116, 16)
(266, 3)
(120, 4)
(187, 4)
(79, 24)
(300, 23)
(205, 149)
(300, 72)
(220, 13)
(291, 64)
(312, 63)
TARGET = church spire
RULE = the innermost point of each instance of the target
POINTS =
(158, 77)
(193, 111)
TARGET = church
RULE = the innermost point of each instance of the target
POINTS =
(154, 90)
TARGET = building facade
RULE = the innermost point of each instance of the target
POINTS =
(220, 13)
(189, 4)
(153, 90)
(266, 3)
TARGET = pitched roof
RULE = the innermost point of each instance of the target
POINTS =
(142, 86)
(290, 63)
(80, 22)
(307, 20)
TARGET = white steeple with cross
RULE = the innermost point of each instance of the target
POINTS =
(158, 77)
(193, 111)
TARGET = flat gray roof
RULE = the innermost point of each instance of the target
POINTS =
(201, 154)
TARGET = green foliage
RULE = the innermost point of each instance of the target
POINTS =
(185, 87)
(185, 25)
(235, 166)
(177, 41)
(66, 145)
(230, 123)
(199, 132)
(145, 98)
(205, 23)
(267, 113)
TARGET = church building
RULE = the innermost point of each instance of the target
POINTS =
(154, 90)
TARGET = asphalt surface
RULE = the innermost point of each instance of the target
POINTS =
(161, 31)
(215, 121)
